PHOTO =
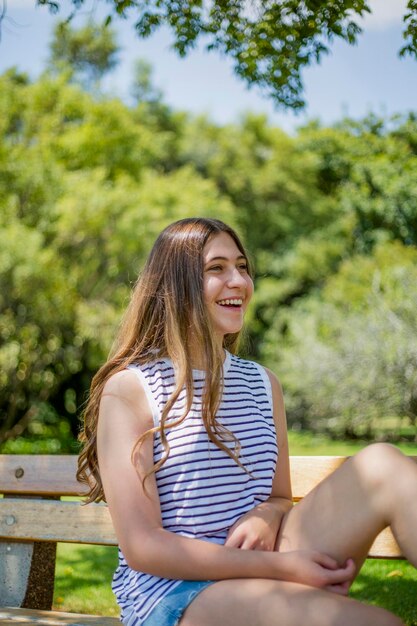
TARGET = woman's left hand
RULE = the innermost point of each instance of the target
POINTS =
(257, 529)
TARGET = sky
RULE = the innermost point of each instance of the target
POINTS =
(351, 80)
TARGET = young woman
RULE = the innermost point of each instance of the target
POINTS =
(187, 444)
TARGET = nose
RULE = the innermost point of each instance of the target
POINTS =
(236, 279)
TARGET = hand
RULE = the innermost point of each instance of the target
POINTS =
(256, 530)
(317, 570)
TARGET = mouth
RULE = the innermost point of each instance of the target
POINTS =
(231, 303)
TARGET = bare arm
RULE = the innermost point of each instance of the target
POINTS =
(124, 416)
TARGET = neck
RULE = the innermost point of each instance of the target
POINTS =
(197, 362)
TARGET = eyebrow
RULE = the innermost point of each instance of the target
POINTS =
(224, 258)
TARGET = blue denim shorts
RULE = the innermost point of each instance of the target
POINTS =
(170, 609)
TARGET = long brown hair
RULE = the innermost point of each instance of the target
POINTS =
(167, 301)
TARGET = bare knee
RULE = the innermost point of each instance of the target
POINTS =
(379, 463)
(386, 476)
(389, 619)
(364, 615)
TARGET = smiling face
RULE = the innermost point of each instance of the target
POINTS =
(228, 287)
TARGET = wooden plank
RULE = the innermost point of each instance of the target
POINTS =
(29, 519)
(385, 546)
(307, 471)
(45, 474)
(55, 474)
(28, 617)
(71, 522)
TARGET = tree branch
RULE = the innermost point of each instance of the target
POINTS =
(18, 428)
(2, 14)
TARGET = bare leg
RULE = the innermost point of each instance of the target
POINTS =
(344, 513)
(340, 517)
(255, 602)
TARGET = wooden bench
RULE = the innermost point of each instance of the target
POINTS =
(33, 518)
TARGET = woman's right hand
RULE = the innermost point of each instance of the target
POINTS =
(317, 570)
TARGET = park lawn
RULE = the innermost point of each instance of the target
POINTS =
(306, 443)
(84, 573)
(390, 584)
(83, 579)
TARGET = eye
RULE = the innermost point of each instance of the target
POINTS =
(243, 267)
(214, 268)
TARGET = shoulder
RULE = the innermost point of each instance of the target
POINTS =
(125, 384)
(278, 404)
(124, 394)
(275, 384)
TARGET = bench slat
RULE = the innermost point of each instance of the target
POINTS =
(385, 546)
(53, 520)
(45, 474)
(28, 617)
(69, 522)
(307, 471)
(55, 474)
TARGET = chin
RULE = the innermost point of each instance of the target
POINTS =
(230, 331)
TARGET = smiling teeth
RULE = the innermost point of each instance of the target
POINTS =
(236, 302)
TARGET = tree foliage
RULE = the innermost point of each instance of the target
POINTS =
(269, 42)
(350, 359)
(84, 193)
(88, 53)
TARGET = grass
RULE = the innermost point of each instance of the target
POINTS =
(84, 572)
(83, 577)
(306, 443)
(390, 584)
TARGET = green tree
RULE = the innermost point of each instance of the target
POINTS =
(87, 53)
(143, 89)
(349, 360)
(270, 42)
(37, 347)
(359, 183)
(371, 167)
(76, 225)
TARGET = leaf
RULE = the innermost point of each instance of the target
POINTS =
(395, 573)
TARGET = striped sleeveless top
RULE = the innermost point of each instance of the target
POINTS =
(203, 491)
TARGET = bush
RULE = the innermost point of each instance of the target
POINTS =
(351, 369)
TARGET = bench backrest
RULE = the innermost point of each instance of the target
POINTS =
(33, 511)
